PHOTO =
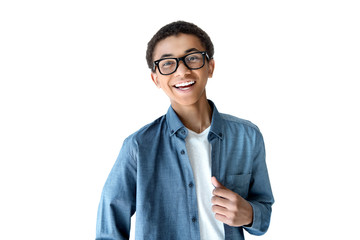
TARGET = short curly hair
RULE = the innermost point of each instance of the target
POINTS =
(176, 28)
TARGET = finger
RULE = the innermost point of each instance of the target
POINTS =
(218, 186)
(224, 193)
(223, 202)
(220, 210)
(221, 218)
(215, 182)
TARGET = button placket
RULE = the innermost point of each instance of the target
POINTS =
(189, 182)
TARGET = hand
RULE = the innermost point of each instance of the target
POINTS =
(229, 207)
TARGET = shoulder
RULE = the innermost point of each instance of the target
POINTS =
(238, 129)
(145, 136)
(239, 122)
(147, 132)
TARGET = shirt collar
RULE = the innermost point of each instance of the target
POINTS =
(216, 122)
(216, 128)
(173, 121)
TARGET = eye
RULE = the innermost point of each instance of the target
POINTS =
(167, 63)
(194, 58)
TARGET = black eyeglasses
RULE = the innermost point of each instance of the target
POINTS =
(192, 61)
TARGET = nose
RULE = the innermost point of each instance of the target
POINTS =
(182, 69)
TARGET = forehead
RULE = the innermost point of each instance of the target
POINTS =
(177, 45)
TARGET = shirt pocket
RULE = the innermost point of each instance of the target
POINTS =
(239, 184)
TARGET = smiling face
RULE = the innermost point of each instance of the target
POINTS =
(184, 87)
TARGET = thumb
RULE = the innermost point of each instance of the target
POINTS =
(215, 182)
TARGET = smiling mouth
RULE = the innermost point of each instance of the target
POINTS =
(184, 85)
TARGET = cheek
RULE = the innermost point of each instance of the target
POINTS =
(164, 83)
(204, 76)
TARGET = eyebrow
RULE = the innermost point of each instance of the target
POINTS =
(187, 51)
(191, 50)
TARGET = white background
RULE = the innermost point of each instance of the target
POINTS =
(74, 84)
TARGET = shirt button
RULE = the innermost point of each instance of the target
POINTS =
(191, 185)
(183, 132)
(193, 219)
(182, 152)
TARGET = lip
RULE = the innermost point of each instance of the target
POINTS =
(185, 89)
(184, 84)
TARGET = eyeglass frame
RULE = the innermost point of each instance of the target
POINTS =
(204, 54)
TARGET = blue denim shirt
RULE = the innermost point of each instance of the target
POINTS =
(153, 176)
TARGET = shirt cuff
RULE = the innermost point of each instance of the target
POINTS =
(255, 227)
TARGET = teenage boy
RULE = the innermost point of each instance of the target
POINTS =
(193, 173)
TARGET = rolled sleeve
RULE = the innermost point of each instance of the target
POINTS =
(261, 219)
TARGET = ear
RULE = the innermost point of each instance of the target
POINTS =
(211, 67)
(154, 78)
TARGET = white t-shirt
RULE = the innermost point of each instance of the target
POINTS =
(199, 152)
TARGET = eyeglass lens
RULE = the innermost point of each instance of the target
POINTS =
(192, 61)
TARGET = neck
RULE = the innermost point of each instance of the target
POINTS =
(196, 117)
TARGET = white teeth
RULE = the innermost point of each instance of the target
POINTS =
(184, 84)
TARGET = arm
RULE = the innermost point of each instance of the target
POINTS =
(118, 198)
(253, 213)
(260, 195)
